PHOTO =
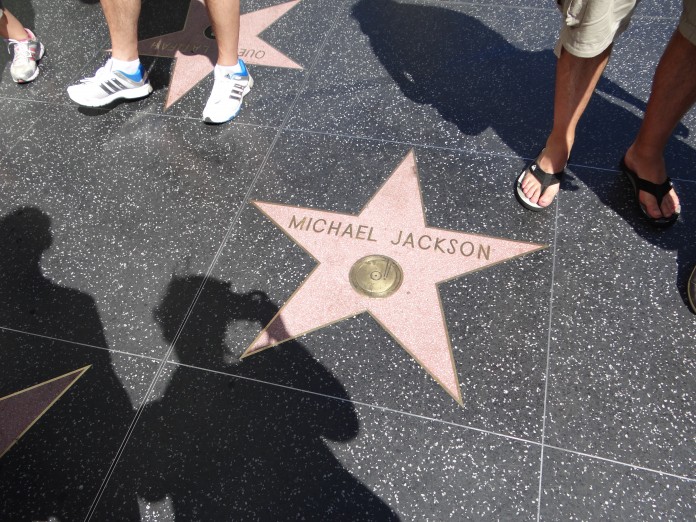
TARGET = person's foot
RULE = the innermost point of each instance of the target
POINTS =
(108, 85)
(25, 55)
(549, 161)
(225, 99)
(652, 169)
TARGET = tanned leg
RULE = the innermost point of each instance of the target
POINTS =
(576, 79)
(11, 28)
(673, 94)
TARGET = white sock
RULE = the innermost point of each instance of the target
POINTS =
(224, 70)
(126, 67)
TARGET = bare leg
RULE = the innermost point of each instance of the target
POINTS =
(576, 79)
(11, 28)
(673, 93)
(224, 15)
(122, 19)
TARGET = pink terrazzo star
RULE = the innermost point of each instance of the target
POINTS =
(195, 52)
(19, 411)
(392, 224)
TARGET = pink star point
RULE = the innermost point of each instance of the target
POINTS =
(196, 54)
(19, 411)
(391, 224)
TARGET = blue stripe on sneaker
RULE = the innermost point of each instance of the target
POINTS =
(137, 76)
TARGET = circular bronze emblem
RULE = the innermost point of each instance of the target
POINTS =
(376, 276)
(209, 33)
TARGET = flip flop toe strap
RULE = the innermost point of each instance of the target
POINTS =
(544, 178)
(658, 191)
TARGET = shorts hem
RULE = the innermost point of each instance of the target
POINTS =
(581, 53)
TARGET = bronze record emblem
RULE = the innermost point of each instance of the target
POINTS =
(376, 276)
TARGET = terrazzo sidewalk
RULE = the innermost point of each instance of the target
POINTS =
(333, 308)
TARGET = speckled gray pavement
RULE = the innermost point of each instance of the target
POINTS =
(129, 244)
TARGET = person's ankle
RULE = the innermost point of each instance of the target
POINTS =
(224, 70)
(17, 36)
(129, 67)
(554, 156)
(647, 162)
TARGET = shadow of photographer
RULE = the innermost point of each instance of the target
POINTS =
(54, 471)
(224, 445)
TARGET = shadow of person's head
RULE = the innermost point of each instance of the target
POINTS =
(216, 306)
(195, 315)
(25, 234)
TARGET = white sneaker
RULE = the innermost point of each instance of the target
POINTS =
(107, 86)
(25, 54)
(225, 99)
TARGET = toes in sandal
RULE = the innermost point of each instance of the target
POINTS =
(544, 178)
(657, 191)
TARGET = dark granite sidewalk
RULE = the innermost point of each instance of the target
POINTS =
(130, 245)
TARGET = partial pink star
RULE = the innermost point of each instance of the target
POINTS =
(195, 53)
(392, 224)
(21, 410)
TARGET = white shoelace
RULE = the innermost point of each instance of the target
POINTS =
(21, 50)
(102, 74)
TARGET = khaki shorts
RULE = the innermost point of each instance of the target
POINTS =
(590, 26)
(687, 23)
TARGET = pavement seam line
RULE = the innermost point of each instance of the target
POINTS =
(548, 351)
(359, 403)
(620, 463)
(433, 419)
(30, 127)
(455, 149)
(228, 235)
(77, 343)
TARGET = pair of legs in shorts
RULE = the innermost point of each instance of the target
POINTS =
(589, 30)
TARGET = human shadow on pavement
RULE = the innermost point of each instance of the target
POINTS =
(221, 445)
(54, 470)
(477, 80)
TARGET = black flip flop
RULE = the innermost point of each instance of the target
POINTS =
(544, 178)
(657, 191)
